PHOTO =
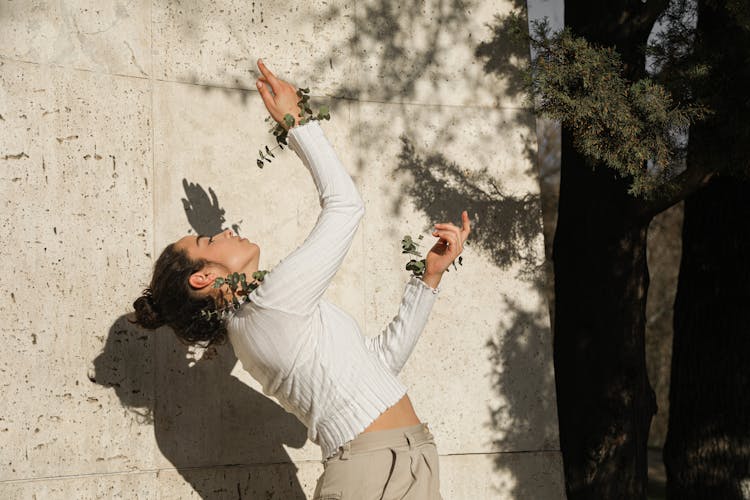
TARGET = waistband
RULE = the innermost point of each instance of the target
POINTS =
(406, 437)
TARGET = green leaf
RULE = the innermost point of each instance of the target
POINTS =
(259, 163)
(306, 90)
(323, 110)
(288, 120)
(270, 153)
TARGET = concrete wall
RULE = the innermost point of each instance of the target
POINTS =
(126, 124)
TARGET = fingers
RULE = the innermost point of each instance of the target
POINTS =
(463, 232)
(265, 94)
(466, 229)
(270, 78)
(451, 237)
(452, 229)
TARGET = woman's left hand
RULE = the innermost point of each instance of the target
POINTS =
(449, 247)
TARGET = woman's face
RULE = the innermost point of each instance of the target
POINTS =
(226, 253)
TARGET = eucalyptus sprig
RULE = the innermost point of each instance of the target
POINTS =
(409, 246)
(417, 267)
(281, 132)
(240, 290)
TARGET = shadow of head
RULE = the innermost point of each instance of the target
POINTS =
(126, 365)
(202, 209)
(202, 415)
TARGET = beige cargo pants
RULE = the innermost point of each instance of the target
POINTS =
(383, 465)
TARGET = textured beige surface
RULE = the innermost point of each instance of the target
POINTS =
(432, 52)
(75, 161)
(140, 485)
(415, 175)
(217, 42)
(101, 36)
(383, 51)
(502, 475)
(125, 125)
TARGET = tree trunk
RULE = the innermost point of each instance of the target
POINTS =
(605, 402)
(707, 452)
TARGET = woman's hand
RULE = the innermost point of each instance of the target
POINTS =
(283, 100)
(446, 250)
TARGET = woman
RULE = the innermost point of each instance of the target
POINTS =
(307, 353)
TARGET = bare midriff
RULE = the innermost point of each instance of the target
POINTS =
(399, 415)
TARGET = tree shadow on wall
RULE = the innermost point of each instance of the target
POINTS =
(222, 437)
(402, 52)
(523, 419)
(506, 227)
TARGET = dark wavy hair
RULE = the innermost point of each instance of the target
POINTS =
(171, 301)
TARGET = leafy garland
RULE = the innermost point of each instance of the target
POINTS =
(417, 267)
(239, 288)
(281, 133)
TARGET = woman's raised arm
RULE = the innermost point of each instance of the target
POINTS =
(297, 283)
(396, 342)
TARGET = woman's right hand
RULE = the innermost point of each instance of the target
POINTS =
(283, 100)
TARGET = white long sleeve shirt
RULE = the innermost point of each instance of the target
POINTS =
(306, 352)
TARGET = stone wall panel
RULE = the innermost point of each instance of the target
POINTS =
(103, 36)
(487, 341)
(217, 42)
(104, 160)
(76, 161)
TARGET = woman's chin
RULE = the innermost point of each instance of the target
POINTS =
(255, 249)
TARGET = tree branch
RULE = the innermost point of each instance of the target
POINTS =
(689, 181)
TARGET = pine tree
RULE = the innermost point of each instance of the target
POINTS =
(620, 167)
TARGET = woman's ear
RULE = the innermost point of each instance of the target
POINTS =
(202, 279)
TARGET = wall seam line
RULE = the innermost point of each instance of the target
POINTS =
(237, 466)
(247, 89)
(152, 69)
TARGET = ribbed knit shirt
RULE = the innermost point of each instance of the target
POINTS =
(306, 352)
